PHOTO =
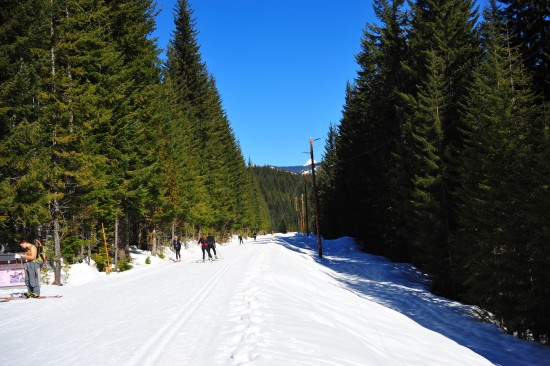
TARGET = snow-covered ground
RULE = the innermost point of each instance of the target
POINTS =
(268, 302)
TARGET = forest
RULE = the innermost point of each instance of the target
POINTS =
(102, 142)
(441, 157)
(288, 197)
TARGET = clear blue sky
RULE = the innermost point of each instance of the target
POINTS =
(281, 67)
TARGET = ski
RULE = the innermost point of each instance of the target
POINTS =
(10, 298)
(207, 261)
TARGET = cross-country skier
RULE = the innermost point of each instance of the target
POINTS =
(176, 243)
(212, 244)
(205, 247)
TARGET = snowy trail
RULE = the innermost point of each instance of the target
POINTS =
(175, 311)
(270, 302)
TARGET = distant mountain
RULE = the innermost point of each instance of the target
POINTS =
(299, 169)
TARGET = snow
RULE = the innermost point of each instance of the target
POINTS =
(272, 301)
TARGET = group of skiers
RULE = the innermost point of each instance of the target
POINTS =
(34, 259)
(207, 243)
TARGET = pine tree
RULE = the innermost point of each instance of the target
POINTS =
(428, 196)
(223, 188)
(179, 161)
(443, 44)
(80, 57)
(131, 138)
(528, 24)
(279, 190)
(504, 231)
(366, 136)
(23, 47)
(327, 186)
(259, 215)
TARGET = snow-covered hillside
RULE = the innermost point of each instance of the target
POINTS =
(267, 302)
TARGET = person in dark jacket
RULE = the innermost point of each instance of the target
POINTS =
(212, 244)
(176, 243)
(205, 247)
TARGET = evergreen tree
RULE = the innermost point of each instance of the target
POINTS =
(259, 212)
(225, 188)
(179, 158)
(443, 51)
(504, 232)
(280, 190)
(528, 24)
(363, 168)
(132, 137)
(23, 50)
(327, 186)
(428, 196)
(82, 61)
(188, 77)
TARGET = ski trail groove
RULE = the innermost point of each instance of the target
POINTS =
(246, 316)
(150, 352)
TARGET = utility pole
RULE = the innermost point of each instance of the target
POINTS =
(319, 244)
(307, 216)
(302, 217)
(297, 211)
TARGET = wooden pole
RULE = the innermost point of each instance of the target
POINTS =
(302, 223)
(319, 244)
(307, 216)
(108, 268)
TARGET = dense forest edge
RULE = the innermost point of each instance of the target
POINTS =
(440, 158)
(101, 141)
(442, 154)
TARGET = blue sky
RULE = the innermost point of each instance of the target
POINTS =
(281, 67)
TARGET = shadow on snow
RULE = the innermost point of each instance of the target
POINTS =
(405, 289)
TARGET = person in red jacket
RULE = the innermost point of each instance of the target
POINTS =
(205, 247)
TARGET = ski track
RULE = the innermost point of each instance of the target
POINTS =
(239, 321)
(151, 351)
(246, 317)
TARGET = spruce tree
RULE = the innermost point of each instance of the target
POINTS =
(528, 23)
(131, 138)
(428, 195)
(23, 48)
(504, 232)
(367, 133)
(223, 188)
(327, 186)
(443, 33)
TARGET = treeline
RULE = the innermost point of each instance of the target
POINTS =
(96, 131)
(284, 193)
(442, 155)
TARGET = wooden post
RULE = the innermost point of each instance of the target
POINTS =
(319, 244)
(116, 242)
(302, 223)
(108, 267)
(306, 215)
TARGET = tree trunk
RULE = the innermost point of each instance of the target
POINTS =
(57, 245)
(116, 243)
(154, 242)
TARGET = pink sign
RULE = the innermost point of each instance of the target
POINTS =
(12, 275)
